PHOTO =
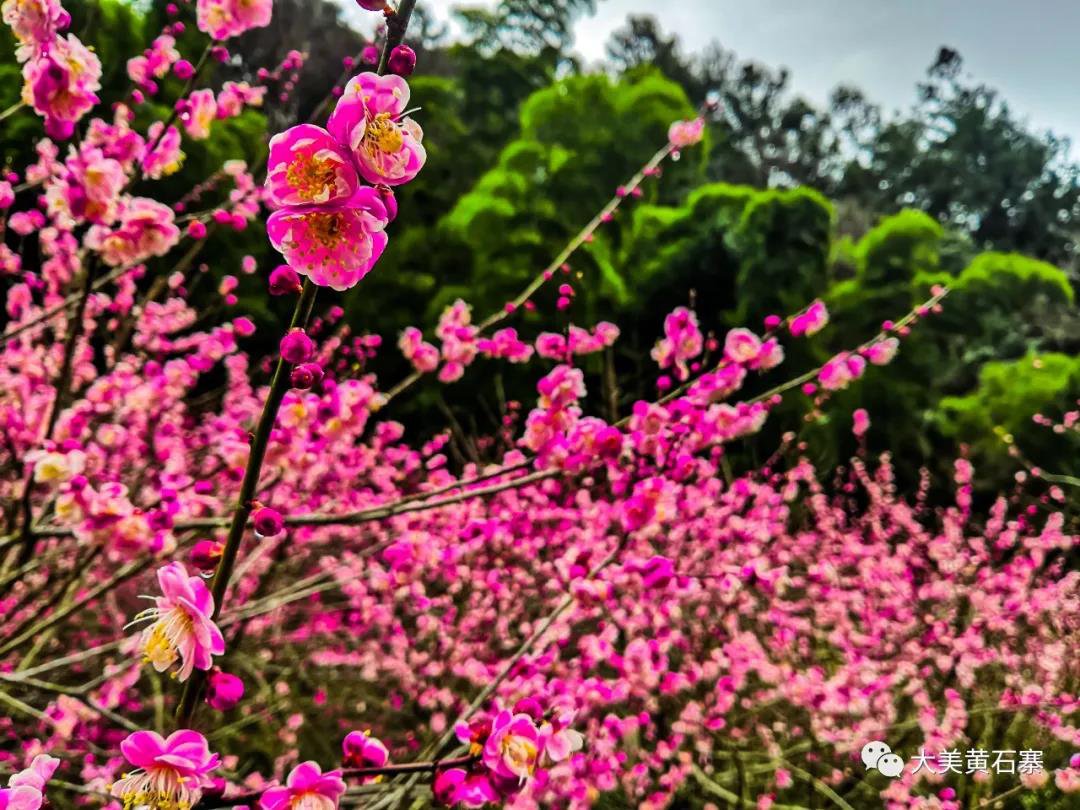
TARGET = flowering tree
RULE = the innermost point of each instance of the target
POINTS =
(607, 611)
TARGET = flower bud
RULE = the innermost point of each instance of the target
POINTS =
(530, 706)
(196, 229)
(205, 555)
(184, 69)
(447, 785)
(370, 55)
(372, 5)
(296, 347)
(224, 691)
(361, 750)
(59, 130)
(306, 375)
(267, 522)
(284, 280)
(402, 60)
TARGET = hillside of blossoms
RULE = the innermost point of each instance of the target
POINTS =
(230, 577)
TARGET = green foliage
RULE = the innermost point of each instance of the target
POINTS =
(671, 250)
(553, 177)
(899, 247)
(1001, 279)
(782, 242)
(999, 410)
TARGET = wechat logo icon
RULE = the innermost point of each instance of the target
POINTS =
(878, 756)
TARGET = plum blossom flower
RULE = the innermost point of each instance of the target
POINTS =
(284, 281)
(457, 786)
(770, 355)
(222, 19)
(741, 346)
(22, 797)
(811, 321)
(183, 628)
(170, 772)
(146, 228)
(61, 84)
(307, 167)
(682, 342)
(51, 467)
(33, 22)
(559, 740)
(882, 352)
(367, 120)
(402, 60)
(860, 422)
(234, 96)
(682, 134)
(296, 346)
(360, 750)
(224, 691)
(200, 115)
(514, 747)
(267, 521)
(459, 343)
(88, 190)
(505, 344)
(334, 247)
(165, 157)
(26, 789)
(423, 355)
(307, 788)
(841, 371)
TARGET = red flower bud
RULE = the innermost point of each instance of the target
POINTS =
(284, 280)
(306, 375)
(205, 554)
(223, 691)
(296, 347)
(267, 522)
(402, 60)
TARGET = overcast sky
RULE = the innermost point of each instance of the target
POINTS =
(1028, 49)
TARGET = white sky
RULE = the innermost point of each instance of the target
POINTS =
(1028, 49)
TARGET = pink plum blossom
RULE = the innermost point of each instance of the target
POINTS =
(145, 228)
(423, 355)
(307, 788)
(513, 750)
(200, 115)
(169, 772)
(33, 22)
(307, 167)
(334, 247)
(882, 352)
(166, 156)
(742, 346)
(682, 134)
(222, 19)
(681, 343)
(841, 371)
(367, 120)
(61, 84)
(183, 628)
(811, 321)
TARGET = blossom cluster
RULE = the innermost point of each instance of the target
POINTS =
(328, 225)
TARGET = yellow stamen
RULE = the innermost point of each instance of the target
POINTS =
(384, 134)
